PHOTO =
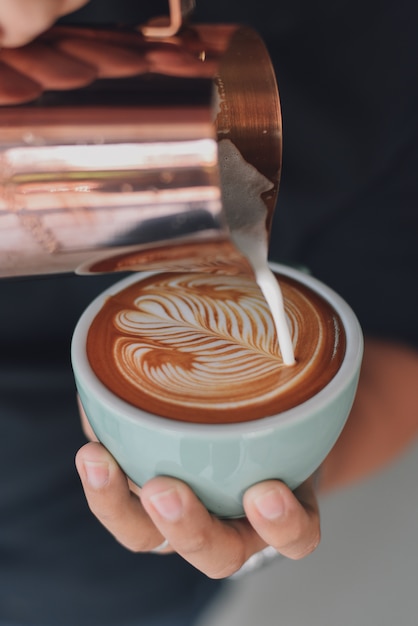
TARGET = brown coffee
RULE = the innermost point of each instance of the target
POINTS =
(203, 348)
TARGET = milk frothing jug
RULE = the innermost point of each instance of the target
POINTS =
(170, 163)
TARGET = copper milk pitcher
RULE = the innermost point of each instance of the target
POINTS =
(171, 161)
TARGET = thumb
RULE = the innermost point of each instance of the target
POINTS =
(285, 520)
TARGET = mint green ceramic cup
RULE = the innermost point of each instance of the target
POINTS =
(221, 461)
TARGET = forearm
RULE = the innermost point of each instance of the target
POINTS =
(384, 418)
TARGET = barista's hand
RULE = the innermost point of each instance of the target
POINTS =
(22, 20)
(69, 58)
(166, 508)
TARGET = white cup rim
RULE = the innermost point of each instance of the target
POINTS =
(347, 371)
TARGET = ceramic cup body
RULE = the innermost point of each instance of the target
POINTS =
(221, 461)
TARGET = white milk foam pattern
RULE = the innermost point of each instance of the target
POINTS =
(198, 318)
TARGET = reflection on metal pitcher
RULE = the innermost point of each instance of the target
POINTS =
(167, 156)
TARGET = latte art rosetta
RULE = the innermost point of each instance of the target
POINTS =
(203, 348)
(204, 345)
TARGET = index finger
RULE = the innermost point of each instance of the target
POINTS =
(216, 547)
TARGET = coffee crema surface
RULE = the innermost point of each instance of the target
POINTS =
(203, 348)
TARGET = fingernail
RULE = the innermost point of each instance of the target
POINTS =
(270, 505)
(97, 474)
(168, 504)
